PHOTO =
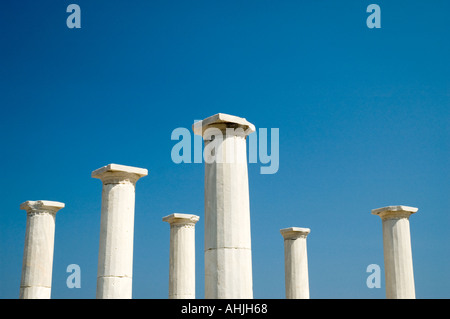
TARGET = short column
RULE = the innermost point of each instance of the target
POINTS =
(182, 255)
(398, 265)
(228, 261)
(115, 258)
(37, 265)
(296, 262)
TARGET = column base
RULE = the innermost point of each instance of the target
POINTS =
(36, 292)
(114, 288)
(185, 296)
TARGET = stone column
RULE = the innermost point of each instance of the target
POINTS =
(37, 265)
(182, 255)
(228, 261)
(115, 258)
(398, 265)
(296, 262)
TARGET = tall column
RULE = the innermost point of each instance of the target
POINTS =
(182, 255)
(115, 258)
(296, 262)
(398, 265)
(228, 261)
(37, 265)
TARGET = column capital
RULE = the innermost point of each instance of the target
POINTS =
(294, 232)
(41, 206)
(394, 212)
(223, 121)
(181, 219)
(115, 173)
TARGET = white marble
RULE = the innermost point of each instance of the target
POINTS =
(182, 255)
(115, 259)
(398, 264)
(222, 121)
(228, 260)
(37, 264)
(296, 262)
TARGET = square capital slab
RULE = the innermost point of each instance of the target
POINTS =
(396, 211)
(41, 205)
(223, 120)
(121, 169)
(294, 232)
(178, 218)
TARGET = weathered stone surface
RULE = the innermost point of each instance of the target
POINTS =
(182, 255)
(296, 262)
(398, 265)
(115, 260)
(228, 262)
(37, 265)
(222, 121)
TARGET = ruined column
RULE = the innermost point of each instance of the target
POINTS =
(115, 258)
(182, 255)
(296, 262)
(228, 261)
(37, 264)
(398, 265)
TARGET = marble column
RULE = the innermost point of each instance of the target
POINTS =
(296, 262)
(37, 265)
(115, 258)
(182, 255)
(398, 264)
(228, 261)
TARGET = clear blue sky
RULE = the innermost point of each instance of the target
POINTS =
(363, 116)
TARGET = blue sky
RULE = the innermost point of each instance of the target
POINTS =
(363, 116)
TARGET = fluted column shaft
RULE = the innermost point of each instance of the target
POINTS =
(296, 262)
(182, 255)
(228, 262)
(37, 264)
(398, 265)
(115, 259)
